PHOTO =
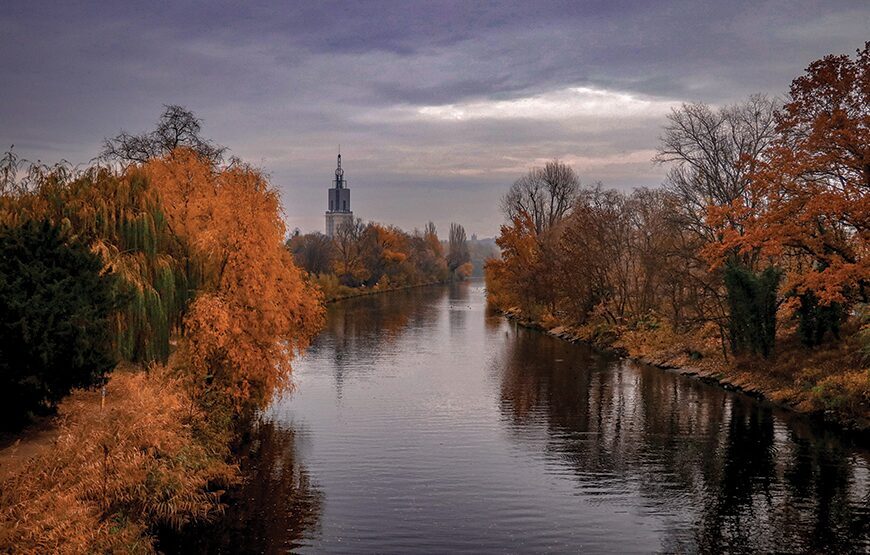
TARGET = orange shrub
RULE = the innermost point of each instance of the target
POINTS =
(115, 472)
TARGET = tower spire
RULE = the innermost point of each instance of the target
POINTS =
(339, 173)
(338, 212)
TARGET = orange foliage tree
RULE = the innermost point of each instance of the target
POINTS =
(511, 281)
(809, 199)
(385, 253)
(255, 310)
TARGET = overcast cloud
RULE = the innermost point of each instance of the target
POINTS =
(438, 106)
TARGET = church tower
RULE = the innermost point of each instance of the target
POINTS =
(339, 211)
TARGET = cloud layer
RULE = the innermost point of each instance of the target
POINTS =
(438, 106)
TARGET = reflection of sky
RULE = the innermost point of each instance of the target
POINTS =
(451, 430)
(437, 105)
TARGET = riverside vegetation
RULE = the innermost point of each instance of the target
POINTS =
(171, 262)
(372, 257)
(750, 264)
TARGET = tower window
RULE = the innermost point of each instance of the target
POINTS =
(344, 202)
(330, 205)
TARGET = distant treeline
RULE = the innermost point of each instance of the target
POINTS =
(365, 256)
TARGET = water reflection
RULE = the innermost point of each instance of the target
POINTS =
(359, 330)
(725, 470)
(422, 422)
(274, 510)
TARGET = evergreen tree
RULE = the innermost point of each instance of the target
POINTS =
(752, 308)
(815, 319)
(55, 330)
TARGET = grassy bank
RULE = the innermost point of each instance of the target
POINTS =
(830, 381)
(113, 470)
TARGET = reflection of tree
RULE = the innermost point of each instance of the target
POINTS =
(493, 319)
(274, 509)
(358, 330)
(458, 301)
(711, 464)
(821, 479)
(737, 483)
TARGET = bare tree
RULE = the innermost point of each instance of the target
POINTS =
(713, 153)
(430, 230)
(315, 252)
(544, 194)
(177, 127)
(457, 252)
(348, 252)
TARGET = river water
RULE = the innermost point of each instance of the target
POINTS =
(422, 423)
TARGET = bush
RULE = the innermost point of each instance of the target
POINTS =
(752, 307)
(55, 305)
(847, 393)
(815, 319)
(150, 458)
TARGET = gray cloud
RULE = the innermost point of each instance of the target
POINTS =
(283, 84)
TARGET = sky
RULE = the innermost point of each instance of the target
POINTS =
(438, 106)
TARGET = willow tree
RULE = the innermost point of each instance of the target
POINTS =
(120, 217)
(254, 310)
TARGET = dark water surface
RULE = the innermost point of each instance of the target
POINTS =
(422, 423)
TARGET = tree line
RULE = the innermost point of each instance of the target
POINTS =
(762, 222)
(377, 256)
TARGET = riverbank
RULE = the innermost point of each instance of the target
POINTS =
(827, 382)
(352, 292)
(106, 473)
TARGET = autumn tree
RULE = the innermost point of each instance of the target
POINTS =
(512, 280)
(177, 127)
(809, 199)
(544, 194)
(385, 252)
(427, 255)
(430, 235)
(255, 310)
(611, 256)
(712, 154)
(348, 263)
(314, 252)
(535, 206)
(458, 256)
(120, 217)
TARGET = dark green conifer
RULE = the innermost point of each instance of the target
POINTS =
(55, 308)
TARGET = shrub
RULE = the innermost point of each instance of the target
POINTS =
(752, 307)
(151, 457)
(55, 305)
(815, 319)
(847, 393)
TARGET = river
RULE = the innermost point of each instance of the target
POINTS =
(423, 423)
